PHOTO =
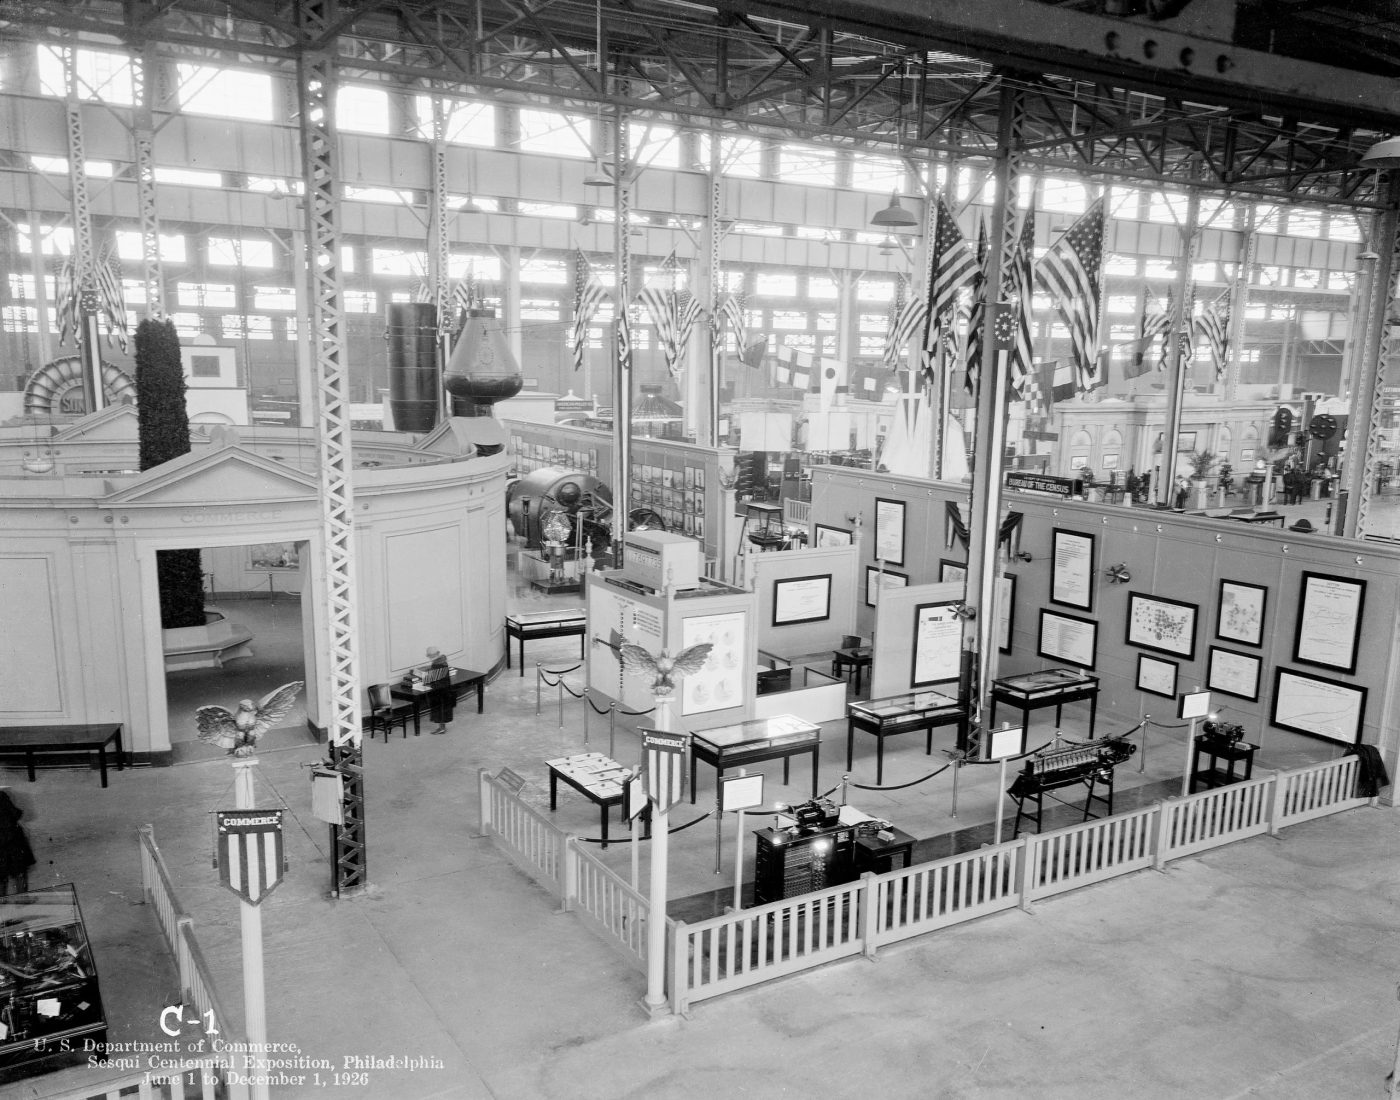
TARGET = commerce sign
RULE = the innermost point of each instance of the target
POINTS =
(249, 853)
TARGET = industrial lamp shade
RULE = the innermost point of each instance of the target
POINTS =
(1383, 154)
(597, 177)
(894, 215)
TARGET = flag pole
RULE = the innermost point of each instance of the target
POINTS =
(655, 1003)
(1177, 372)
(250, 927)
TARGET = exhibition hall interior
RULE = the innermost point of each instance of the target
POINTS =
(653, 547)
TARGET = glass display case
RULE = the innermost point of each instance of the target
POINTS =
(48, 983)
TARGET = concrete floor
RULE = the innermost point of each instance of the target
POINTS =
(1264, 969)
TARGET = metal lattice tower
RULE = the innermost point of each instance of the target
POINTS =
(143, 141)
(441, 256)
(84, 255)
(316, 92)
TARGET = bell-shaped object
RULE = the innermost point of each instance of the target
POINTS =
(481, 370)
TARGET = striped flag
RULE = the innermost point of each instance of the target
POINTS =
(688, 310)
(1156, 322)
(661, 302)
(624, 340)
(463, 298)
(896, 311)
(665, 754)
(1071, 272)
(66, 301)
(108, 277)
(951, 266)
(250, 852)
(979, 308)
(1021, 290)
(1214, 325)
(732, 310)
(909, 321)
(588, 296)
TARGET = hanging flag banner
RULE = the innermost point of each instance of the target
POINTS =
(249, 852)
(664, 754)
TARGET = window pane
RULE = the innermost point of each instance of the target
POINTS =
(227, 252)
(806, 164)
(655, 145)
(361, 109)
(548, 272)
(551, 132)
(466, 123)
(225, 93)
(189, 177)
(780, 284)
(874, 173)
(172, 246)
(102, 76)
(740, 156)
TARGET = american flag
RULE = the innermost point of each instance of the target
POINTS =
(1020, 292)
(659, 299)
(951, 266)
(979, 308)
(588, 296)
(1071, 272)
(910, 320)
(463, 297)
(107, 275)
(896, 310)
(732, 310)
(688, 311)
(1214, 325)
(624, 340)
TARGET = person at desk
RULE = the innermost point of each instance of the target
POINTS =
(437, 679)
(16, 857)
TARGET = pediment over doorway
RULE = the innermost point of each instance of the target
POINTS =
(229, 475)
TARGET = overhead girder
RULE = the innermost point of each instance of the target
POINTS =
(785, 71)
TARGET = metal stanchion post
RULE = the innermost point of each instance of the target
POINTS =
(719, 830)
(587, 713)
(1190, 749)
(539, 677)
(612, 730)
(957, 765)
(560, 686)
(1146, 721)
(1001, 787)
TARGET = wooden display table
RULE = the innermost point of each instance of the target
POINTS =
(853, 657)
(1051, 687)
(874, 854)
(32, 741)
(595, 776)
(1215, 750)
(916, 710)
(545, 624)
(418, 693)
(777, 738)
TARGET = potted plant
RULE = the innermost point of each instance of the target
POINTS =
(1201, 463)
(1090, 486)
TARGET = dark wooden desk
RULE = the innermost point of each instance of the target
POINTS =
(1215, 750)
(856, 657)
(874, 854)
(30, 741)
(1273, 519)
(417, 693)
(545, 624)
(777, 738)
(916, 710)
(595, 776)
(1051, 687)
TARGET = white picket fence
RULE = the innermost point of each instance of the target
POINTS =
(747, 947)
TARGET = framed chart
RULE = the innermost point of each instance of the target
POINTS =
(1068, 638)
(1168, 626)
(1239, 612)
(1006, 611)
(937, 644)
(1233, 673)
(822, 535)
(1329, 621)
(875, 580)
(1072, 569)
(801, 600)
(889, 531)
(1156, 677)
(1323, 708)
(951, 572)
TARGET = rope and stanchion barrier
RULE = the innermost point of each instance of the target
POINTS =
(543, 676)
(669, 832)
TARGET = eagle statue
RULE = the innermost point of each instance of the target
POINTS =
(238, 731)
(663, 669)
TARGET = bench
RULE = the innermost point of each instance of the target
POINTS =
(32, 741)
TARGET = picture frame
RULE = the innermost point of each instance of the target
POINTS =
(951, 572)
(801, 599)
(889, 531)
(1068, 638)
(1006, 611)
(273, 557)
(1072, 569)
(874, 580)
(937, 656)
(1317, 706)
(1328, 633)
(1161, 624)
(1240, 610)
(1156, 677)
(822, 535)
(1232, 673)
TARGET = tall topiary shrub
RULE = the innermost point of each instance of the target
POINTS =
(164, 433)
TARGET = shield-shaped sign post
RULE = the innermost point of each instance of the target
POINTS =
(250, 852)
(664, 754)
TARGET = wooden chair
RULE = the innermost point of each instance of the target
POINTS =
(844, 658)
(385, 713)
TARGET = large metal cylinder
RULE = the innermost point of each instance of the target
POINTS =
(482, 369)
(414, 375)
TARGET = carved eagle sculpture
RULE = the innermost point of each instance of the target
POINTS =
(238, 731)
(663, 669)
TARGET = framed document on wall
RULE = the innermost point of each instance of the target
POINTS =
(1072, 569)
(1168, 626)
(937, 644)
(801, 600)
(1006, 610)
(1156, 677)
(875, 580)
(1329, 621)
(1233, 673)
(1324, 708)
(822, 535)
(951, 572)
(889, 531)
(1239, 612)
(1068, 638)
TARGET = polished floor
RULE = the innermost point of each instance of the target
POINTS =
(1266, 969)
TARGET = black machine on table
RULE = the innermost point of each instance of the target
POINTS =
(822, 848)
(1064, 764)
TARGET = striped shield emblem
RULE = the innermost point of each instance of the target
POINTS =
(249, 852)
(664, 754)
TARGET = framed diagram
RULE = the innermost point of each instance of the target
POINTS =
(889, 531)
(1233, 673)
(951, 572)
(1068, 638)
(937, 644)
(1156, 677)
(1323, 708)
(801, 600)
(875, 580)
(1006, 611)
(822, 535)
(717, 685)
(1329, 621)
(1239, 612)
(1168, 626)
(1072, 569)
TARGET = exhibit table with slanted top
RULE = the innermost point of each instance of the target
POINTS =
(1051, 687)
(415, 691)
(545, 624)
(32, 741)
(777, 738)
(597, 777)
(895, 714)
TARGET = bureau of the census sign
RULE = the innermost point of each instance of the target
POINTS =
(249, 852)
